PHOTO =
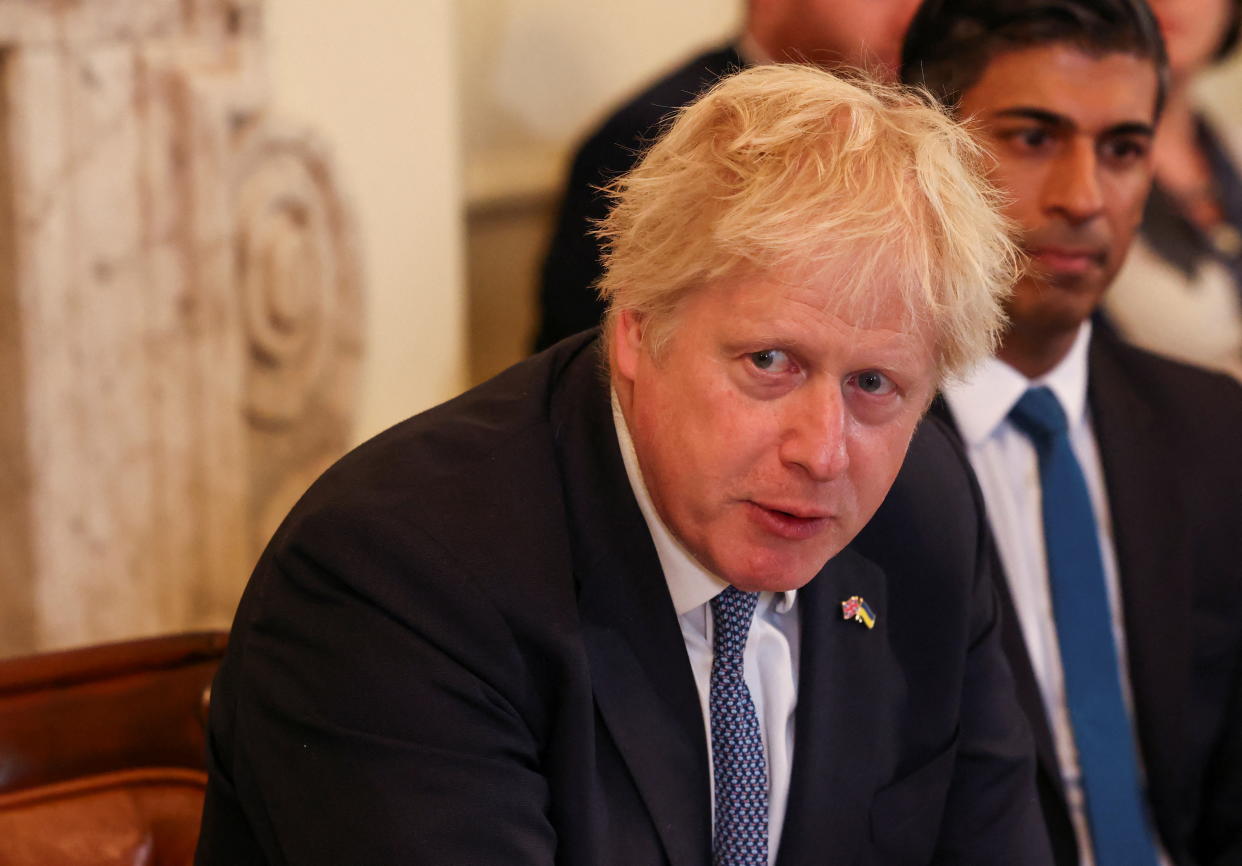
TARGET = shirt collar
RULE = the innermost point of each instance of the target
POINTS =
(981, 401)
(689, 583)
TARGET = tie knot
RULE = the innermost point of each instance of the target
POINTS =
(1039, 414)
(732, 610)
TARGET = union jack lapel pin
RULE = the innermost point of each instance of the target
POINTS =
(858, 610)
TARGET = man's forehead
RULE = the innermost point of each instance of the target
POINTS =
(792, 305)
(1065, 84)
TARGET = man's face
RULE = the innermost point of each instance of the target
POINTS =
(1071, 134)
(864, 33)
(769, 430)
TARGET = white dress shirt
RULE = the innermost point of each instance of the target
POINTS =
(770, 659)
(1007, 466)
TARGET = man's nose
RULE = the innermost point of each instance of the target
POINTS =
(1073, 186)
(815, 434)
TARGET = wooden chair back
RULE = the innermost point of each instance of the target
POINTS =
(102, 752)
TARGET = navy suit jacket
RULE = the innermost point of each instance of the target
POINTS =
(460, 648)
(1170, 439)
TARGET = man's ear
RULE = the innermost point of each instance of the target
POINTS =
(627, 342)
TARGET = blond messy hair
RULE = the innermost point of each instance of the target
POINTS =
(792, 169)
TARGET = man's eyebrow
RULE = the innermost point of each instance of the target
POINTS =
(1132, 127)
(1051, 118)
(1041, 115)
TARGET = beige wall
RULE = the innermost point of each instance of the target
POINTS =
(535, 73)
(374, 80)
(1222, 88)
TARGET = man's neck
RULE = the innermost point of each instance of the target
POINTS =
(751, 49)
(1034, 354)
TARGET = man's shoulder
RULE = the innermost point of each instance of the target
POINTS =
(936, 470)
(1161, 369)
(1168, 437)
(1189, 401)
(630, 127)
(930, 522)
(482, 461)
(677, 88)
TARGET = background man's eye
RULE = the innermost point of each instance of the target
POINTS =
(1127, 149)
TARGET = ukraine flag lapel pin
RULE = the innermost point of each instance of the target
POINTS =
(857, 609)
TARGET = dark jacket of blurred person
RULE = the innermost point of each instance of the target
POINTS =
(1157, 443)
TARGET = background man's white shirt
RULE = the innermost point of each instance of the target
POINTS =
(1007, 467)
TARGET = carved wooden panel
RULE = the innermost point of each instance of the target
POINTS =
(179, 316)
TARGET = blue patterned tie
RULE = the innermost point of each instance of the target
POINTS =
(1102, 730)
(741, 835)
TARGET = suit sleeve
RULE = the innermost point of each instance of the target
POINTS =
(1219, 840)
(992, 813)
(368, 713)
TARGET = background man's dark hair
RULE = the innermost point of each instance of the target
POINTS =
(951, 42)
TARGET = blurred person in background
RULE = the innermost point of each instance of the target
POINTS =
(1180, 292)
(831, 33)
(1112, 476)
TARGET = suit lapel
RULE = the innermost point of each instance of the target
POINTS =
(640, 673)
(1152, 549)
(845, 683)
(1027, 686)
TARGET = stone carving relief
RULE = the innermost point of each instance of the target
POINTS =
(180, 316)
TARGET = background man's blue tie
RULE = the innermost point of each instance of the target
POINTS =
(1102, 730)
(741, 832)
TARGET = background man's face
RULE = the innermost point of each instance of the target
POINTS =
(864, 33)
(1193, 30)
(769, 430)
(1071, 134)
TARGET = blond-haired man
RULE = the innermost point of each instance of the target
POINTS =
(630, 618)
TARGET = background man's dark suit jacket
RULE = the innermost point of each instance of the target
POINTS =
(460, 648)
(568, 303)
(1170, 439)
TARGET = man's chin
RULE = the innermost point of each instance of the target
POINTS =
(780, 575)
(1046, 288)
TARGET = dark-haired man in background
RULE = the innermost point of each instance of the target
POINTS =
(829, 33)
(1113, 478)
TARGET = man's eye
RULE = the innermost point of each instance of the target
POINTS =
(1126, 150)
(872, 382)
(1028, 139)
(771, 360)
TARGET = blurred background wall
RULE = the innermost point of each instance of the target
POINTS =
(375, 80)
